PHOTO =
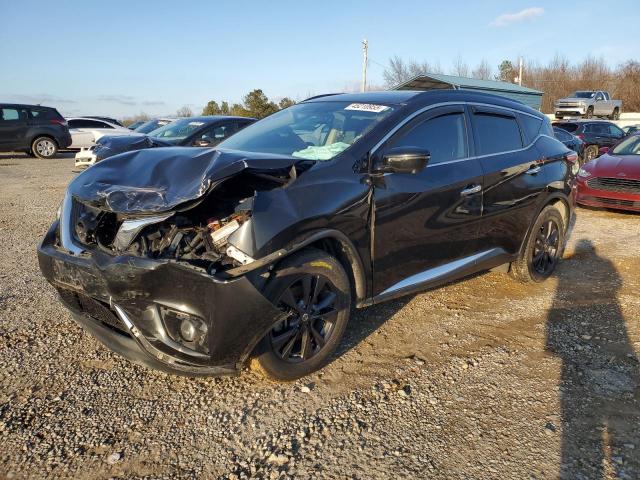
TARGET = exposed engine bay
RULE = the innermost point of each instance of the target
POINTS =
(196, 233)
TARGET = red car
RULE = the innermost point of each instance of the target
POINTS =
(613, 179)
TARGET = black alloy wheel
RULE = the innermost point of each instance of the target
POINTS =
(313, 293)
(310, 307)
(546, 248)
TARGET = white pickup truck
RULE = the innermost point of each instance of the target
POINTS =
(588, 104)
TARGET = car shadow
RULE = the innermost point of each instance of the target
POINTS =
(600, 375)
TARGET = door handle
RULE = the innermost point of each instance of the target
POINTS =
(471, 190)
(533, 170)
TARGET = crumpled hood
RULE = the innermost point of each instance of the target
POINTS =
(612, 165)
(160, 179)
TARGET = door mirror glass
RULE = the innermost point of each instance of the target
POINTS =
(405, 160)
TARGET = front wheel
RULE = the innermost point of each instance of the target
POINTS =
(312, 291)
(543, 249)
(44, 147)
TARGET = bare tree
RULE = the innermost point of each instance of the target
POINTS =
(483, 71)
(460, 68)
(399, 71)
(184, 112)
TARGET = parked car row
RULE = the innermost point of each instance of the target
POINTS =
(204, 131)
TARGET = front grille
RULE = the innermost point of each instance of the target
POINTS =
(93, 308)
(620, 185)
(614, 202)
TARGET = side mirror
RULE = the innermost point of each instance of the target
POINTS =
(405, 160)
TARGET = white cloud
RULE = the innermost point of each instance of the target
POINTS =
(507, 19)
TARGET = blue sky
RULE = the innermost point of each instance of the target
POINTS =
(123, 57)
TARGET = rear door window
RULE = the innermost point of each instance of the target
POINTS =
(496, 133)
(569, 127)
(9, 114)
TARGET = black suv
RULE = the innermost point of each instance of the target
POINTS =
(37, 130)
(594, 134)
(195, 260)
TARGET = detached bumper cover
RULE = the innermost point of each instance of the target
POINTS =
(119, 300)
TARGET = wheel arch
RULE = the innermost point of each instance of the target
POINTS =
(34, 136)
(337, 244)
(556, 200)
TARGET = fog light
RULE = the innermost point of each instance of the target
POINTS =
(186, 329)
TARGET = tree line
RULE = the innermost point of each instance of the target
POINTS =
(254, 104)
(557, 78)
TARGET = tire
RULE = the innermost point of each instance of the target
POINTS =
(589, 113)
(616, 114)
(543, 249)
(307, 331)
(590, 153)
(44, 147)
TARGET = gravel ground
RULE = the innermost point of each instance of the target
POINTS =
(484, 378)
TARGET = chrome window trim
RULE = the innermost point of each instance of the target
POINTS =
(409, 118)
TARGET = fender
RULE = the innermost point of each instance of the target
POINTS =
(551, 198)
(357, 265)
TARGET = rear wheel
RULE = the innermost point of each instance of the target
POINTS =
(44, 147)
(543, 249)
(590, 153)
(616, 114)
(589, 113)
(312, 291)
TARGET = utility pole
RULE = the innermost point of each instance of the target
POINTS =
(365, 60)
(520, 73)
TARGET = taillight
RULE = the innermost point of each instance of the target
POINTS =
(571, 157)
(57, 121)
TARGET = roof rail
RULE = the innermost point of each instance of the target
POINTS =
(320, 96)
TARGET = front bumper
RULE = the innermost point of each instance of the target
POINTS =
(120, 300)
(607, 199)
(85, 158)
(569, 111)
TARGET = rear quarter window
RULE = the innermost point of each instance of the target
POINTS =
(531, 126)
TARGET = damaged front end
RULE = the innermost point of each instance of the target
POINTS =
(143, 256)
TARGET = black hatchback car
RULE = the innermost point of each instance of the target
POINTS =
(34, 129)
(195, 260)
(570, 141)
(594, 133)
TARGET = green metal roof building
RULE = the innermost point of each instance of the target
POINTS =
(433, 81)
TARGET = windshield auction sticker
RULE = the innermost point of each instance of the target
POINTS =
(367, 107)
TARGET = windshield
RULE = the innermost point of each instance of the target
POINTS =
(150, 126)
(313, 131)
(176, 131)
(582, 94)
(629, 146)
